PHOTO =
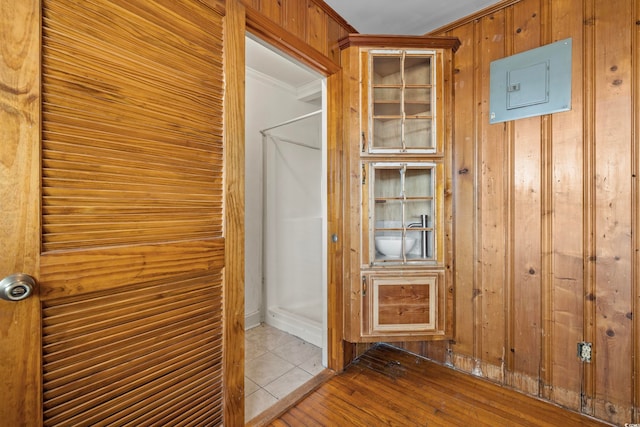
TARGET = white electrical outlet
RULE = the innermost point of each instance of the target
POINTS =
(584, 351)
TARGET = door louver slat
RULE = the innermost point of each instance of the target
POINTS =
(126, 86)
(107, 368)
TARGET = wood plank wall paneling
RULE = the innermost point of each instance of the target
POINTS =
(613, 332)
(547, 211)
(526, 169)
(293, 17)
(635, 265)
(588, 191)
(317, 27)
(493, 179)
(464, 182)
(568, 168)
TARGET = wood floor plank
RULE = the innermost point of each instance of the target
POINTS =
(390, 387)
(296, 417)
(420, 402)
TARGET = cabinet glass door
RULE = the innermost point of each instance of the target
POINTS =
(402, 101)
(401, 212)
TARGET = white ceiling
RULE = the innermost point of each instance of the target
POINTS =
(414, 17)
(275, 64)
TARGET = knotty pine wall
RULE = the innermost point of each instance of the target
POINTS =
(547, 212)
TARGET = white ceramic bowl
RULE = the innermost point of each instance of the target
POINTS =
(391, 246)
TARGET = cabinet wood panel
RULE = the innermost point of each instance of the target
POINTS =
(406, 304)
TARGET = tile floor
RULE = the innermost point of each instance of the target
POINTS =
(276, 363)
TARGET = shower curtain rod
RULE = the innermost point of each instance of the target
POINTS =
(296, 119)
(288, 141)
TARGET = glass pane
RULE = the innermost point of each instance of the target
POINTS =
(419, 215)
(387, 183)
(386, 70)
(418, 182)
(387, 133)
(416, 109)
(403, 211)
(418, 133)
(388, 215)
(386, 101)
(417, 101)
(415, 211)
(417, 70)
(386, 94)
(387, 109)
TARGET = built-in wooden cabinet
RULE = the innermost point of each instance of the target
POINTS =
(397, 100)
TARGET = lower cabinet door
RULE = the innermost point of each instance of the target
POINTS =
(405, 306)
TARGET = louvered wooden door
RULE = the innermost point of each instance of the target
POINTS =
(126, 235)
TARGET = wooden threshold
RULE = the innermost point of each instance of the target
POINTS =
(388, 386)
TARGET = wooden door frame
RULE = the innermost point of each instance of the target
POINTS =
(20, 97)
(239, 21)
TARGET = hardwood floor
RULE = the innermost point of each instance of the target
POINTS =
(389, 387)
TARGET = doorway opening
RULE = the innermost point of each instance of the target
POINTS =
(285, 225)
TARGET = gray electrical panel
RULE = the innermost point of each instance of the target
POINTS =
(531, 83)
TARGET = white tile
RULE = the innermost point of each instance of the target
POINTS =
(313, 364)
(288, 382)
(296, 351)
(266, 368)
(267, 336)
(254, 332)
(254, 348)
(270, 359)
(281, 340)
(257, 402)
(250, 387)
